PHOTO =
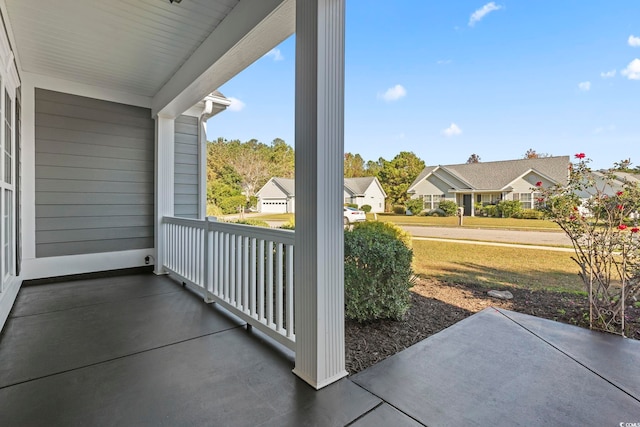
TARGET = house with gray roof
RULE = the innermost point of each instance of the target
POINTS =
(365, 191)
(278, 194)
(488, 182)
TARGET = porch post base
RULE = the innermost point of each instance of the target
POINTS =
(319, 384)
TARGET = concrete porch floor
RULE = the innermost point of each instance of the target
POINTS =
(141, 350)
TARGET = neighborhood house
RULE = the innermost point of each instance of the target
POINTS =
(278, 194)
(488, 182)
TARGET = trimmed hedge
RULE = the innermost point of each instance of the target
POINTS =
(377, 272)
(414, 205)
(449, 207)
(365, 208)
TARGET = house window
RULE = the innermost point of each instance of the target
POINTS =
(527, 200)
(431, 201)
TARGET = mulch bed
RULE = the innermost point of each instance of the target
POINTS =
(437, 305)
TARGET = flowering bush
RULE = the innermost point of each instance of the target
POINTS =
(599, 212)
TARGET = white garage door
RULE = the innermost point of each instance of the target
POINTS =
(273, 206)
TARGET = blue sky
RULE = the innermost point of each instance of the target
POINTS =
(446, 79)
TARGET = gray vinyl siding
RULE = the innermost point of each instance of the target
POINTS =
(94, 175)
(186, 203)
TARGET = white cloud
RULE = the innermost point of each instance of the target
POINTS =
(482, 12)
(275, 54)
(452, 130)
(633, 70)
(444, 61)
(393, 93)
(236, 105)
(634, 41)
(584, 86)
(608, 74)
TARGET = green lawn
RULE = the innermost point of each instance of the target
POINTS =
(490, 265)
(468, 221)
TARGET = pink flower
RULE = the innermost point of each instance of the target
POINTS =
(635, 229)
(539, 184)
(622, 227)
(572, 217)
(620, 207)
(580, 156)
(575, 208)
(619, 193)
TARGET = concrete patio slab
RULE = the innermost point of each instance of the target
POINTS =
(488, 370)
(46, 298)
(227, 379)
(40, 345)
(610, 356)
(385, 415)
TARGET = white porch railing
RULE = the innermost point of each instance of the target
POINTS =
(247, 270)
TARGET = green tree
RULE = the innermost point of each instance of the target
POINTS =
(353, 166)
(397, 175)
(373, 168)
(281, 159)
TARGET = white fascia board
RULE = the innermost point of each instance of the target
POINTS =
(209, 107)
(82, 89)
(250, 30)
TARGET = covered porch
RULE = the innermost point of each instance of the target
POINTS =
(104, 157)
(143, 350)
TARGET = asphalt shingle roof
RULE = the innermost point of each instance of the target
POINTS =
(498, 175)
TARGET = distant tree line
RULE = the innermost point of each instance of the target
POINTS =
(237, 170)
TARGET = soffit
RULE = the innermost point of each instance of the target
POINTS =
(131, 46)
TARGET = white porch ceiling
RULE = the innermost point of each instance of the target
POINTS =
(132, 46)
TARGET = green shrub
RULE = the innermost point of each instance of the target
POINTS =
(414, 205)
(509, 208)
(253, 222)
(231, 204)
(365, 208)
(399, 210)
(490, 210)
(289, 225)
(449, 207)
(377, 273)
(351, 205)
(388, 228)
(530, 214)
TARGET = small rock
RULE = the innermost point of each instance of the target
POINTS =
(500, 294)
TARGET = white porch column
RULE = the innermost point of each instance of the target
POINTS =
(165, 145)
(202, 167)
(319, 256)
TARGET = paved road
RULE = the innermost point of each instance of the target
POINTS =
(542, 238)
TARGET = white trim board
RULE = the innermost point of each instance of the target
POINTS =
(38, 268)
(7, 298)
